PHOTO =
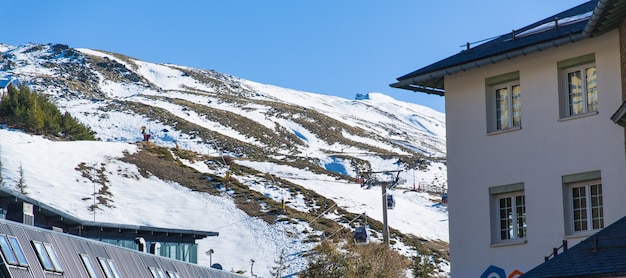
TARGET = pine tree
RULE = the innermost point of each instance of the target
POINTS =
(74, 130)
(278, 271)
(36, 116)
(34, 112)
(21, 183)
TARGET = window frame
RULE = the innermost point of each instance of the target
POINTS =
(11, 245)
(566, 67)
(578, 180)
(585, 90)
(587, 220)
(109, 268)
(91, 270)
(510, 120)
(156, 272)
(47, 256)
(512, 104)
(514, 228)
(518, 231)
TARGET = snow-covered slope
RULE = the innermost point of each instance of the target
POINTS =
(264, 127)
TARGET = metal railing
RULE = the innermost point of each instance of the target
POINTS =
(555, 251)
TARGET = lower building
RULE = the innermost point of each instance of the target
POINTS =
(29, 251)
(37, 240)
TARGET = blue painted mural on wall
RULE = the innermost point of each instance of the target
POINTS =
(493, 271)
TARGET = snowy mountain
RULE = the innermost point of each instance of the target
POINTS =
(223, 155)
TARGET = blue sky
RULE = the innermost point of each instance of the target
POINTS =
(329, 47)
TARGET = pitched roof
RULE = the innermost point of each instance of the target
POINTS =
(600, 255)
(590, 19)
(71, 250)
(87, 225)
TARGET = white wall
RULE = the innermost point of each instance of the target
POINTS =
(539, 154)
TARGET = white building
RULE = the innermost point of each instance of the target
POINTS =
(534, 156)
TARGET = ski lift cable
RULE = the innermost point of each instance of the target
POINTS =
(348, 224)
(272, 177)
(322, 214)
(351, 153)
(217, 148)
(391, 184)
(233, 223)
(386, 171)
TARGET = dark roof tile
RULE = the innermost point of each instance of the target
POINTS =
(600, 255)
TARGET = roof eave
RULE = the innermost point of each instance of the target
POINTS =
(619, 117)
(72, 220)
(415, 83)
(418, 88)
(418, 83)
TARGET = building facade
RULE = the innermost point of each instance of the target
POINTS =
(534, 158)
(179, 244)
(29, 251)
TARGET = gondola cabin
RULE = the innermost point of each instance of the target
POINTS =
(391, 202)
(361, 235)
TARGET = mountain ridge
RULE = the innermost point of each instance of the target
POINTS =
(222, 116)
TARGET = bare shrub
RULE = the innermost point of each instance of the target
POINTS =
(372, 260)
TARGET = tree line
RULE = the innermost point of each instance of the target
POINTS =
(34, 113)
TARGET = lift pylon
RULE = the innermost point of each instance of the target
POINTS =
(384, 185)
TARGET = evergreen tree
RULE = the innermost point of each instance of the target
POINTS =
(74, 130)
(278, 271)
(35, 113)
(21, 183)
(52, 117)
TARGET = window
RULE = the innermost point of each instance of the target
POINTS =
(109, 268)
(508, 106)
(504, 102)
(12, 251)
(512, 217)
(583, 193)
(508, 213)
(157, 272)
(87, 262)
(172, 274)
(587, 207)
(582, 92)
(578, 86)
(19, 253)
(187, 252)
(47, 256)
